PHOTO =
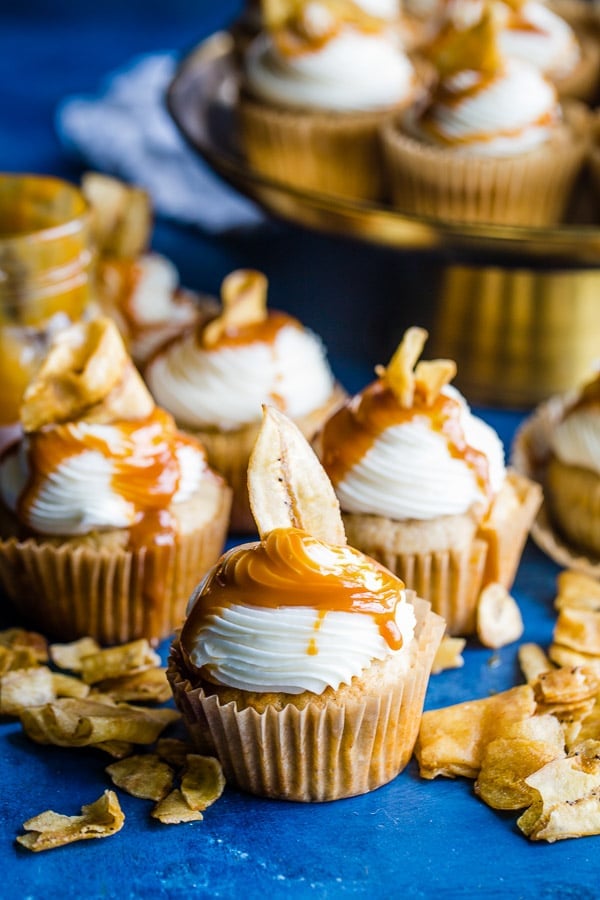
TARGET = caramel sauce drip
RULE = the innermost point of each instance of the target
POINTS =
(352, 431)
(281, 571)
(145, 469)
(264, 332)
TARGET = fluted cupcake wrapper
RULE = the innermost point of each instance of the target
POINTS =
(449, 579)
(114, 595)
(531, 189)
(452, 576)
(324, 751)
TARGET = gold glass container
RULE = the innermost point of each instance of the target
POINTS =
(45, 262)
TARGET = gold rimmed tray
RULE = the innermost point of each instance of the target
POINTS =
(516, 307)
(202, 99)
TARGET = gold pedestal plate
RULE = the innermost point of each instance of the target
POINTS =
(518, 308)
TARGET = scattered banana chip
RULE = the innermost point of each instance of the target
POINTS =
(68, 686)
(578, 627)
(173, 810)
(288, 486)
(507, 761)
(25, 687)
(202, 782)
(149, 686)
(97, 820)
(173, 751)
(69, 656)
(578, 590)
(116, 662)
(565, 656)
(533, 662)
(69, 722)
(499, 620)
(566, 686)
(116, 749)
(568, 797)
(452, 741)
(449, 654)
(35, 645)
(146, 776)
(17, 658)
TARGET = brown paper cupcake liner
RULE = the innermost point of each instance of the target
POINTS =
(331, 153)
(324, 751)
(507, 526)
(531, 189)
(530, 456)
(115, 595)
(229, 452)
(450, 579)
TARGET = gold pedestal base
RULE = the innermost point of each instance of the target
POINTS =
(517, 335)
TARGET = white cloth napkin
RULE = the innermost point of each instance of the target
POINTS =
(125, 130)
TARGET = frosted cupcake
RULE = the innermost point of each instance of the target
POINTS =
(302, 664)
(536, 34)
(423, 486)
(572, 482)
(315, 87)
(108, 513)
(215, 380)
(492, 143)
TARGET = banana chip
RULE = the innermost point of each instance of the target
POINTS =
(25, 687)
(69, 656)
(287, 484)
(174, 809)
(533, 662)
(202, 782)
(146, 776)
(121, 215)
(567, 794)
(149, 686)
(116, 662)
(50, 829)
(499, 620)
(244, 299)
(30, 643)
(449, 654)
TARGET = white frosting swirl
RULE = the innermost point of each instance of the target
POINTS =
(511, 114)
(549, 43)
(155, 299)
(225, 387)
(409, 472)
(351, 72)
(258, 649)
(576, 439)
(78, 496)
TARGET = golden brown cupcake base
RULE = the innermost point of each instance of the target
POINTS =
(69, 588)
(229, 451)
(450, 559)
(316, 747)
(328, 152)
(530, 189)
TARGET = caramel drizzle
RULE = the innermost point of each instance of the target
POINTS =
(280, 572)
(264, 332)
(146, 470)
(353, 430)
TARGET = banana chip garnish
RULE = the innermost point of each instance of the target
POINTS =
(287, 485)
(475, 48)
(121, 215)
(244, 299)
(405, 376)
(88, 376)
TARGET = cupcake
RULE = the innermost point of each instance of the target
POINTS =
(302, 664)
(491, 143)
(423, 486)
(215, 379)
(572, 477)
(315, 86)
(536, 34)
(108, 514)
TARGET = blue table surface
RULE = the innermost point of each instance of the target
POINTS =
(411, 837)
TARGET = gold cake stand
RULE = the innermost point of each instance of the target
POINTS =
(519, 308)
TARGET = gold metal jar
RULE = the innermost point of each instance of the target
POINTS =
(45, 272)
